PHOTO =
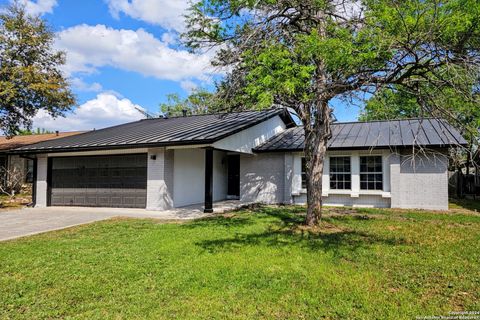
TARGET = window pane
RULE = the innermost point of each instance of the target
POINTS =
(371, 176)
(304, 173)
(340, 173)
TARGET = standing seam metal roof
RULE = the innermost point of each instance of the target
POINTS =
(195, 129)
(374, 134)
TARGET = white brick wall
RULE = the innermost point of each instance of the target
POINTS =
(340, 200)
(262, 178)
(42, 168)
(419, 182)
(288, 178)
(159, 196)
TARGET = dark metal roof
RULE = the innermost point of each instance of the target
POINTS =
(197, 129)
(375, 134)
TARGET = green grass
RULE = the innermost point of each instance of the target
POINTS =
(368, 264)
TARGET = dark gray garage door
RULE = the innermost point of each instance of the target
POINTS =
(99, 181)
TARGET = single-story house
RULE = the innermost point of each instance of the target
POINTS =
(252, 156)
(15, 163)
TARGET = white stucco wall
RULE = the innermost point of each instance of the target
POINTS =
(420, 182)
(252, 137)
(41, 188)
(188, 177)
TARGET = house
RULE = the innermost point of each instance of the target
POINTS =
(14, 162)
(252, 156)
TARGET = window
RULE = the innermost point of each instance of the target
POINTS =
(304, 173)
(371, 173)
(340, 173)
(29, 174)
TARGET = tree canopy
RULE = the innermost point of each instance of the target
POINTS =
(199, 101)
(30, 75)
(305, 53)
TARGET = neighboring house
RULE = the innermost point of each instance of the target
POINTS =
(253, 156)
(21, 165)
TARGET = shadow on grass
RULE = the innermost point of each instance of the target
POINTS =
(283, 229)
(227, 221)
(469, 204)
(339, 243)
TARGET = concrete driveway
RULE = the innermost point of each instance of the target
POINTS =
(29, 221)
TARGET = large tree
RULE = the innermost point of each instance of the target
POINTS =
(303, 54)
(30, 75)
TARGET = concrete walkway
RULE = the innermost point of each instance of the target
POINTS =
(29, 221)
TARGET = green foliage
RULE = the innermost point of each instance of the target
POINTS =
(281, 52)
(198, 102)
(462, 112)
(30, 78)
(303, 54)
(28, 132)
(389, 104)
(363, 264)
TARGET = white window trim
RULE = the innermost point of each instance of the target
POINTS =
(351, 173)
(382, 172)
(355, 192)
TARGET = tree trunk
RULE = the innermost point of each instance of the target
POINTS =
(317, 133)
(316, 139)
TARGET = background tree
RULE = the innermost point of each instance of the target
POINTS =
(388, 104)
(198, 102)
(30, 78)
(303, 54)
(28, 132)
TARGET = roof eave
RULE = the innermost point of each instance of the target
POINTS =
(115, 147)
(442, 146)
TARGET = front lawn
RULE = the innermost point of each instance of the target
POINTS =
(362, 264)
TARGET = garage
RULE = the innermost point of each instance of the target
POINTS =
(98, 181)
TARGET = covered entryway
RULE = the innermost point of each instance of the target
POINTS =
(233, 191)
(98, 181)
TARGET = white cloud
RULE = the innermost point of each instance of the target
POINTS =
(188, 86)
(38, 7)
(165, 13)
(91, 47)
(103, 111)
(81, 85)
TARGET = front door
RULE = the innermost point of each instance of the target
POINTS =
(234, 176)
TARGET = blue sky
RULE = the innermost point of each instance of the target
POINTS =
(122, 55)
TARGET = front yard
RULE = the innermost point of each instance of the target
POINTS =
(362, 264)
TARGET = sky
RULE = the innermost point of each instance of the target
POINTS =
(124, 55)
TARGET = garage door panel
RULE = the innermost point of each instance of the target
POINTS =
(106, 181)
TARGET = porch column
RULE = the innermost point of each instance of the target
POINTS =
(208, 180)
